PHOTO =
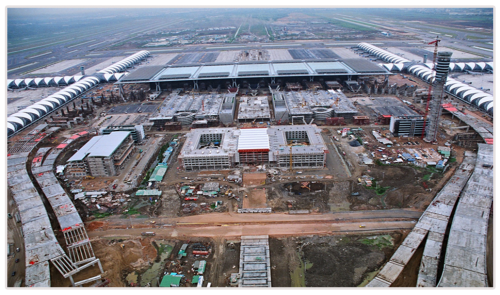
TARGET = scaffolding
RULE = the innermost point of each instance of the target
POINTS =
(435, 105)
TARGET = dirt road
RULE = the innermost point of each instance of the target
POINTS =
(235, 225)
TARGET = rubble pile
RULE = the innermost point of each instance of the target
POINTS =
(104, 202)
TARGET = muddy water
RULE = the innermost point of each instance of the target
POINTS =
(132, 278)
(152, 275)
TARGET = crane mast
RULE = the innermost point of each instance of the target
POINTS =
(429, 93)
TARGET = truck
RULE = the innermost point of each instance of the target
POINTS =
(148, 233)
(17, 216)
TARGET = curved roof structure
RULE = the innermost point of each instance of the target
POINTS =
(382, 54)
(395, 62)
(16, 122)
(34, 112)
(127, 62)
(484, 101)
(41, 108)
(79, 84)
(39, 82)
(25, 117)
(10, 129)
(465, 92)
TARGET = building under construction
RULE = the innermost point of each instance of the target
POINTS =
(254, 108)
(302, 143)
(434, 105)
(103, 155)
(306, 106)
(407, 126)
(186, 108)
(137, 131)
(224, 148)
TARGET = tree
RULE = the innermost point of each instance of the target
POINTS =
(132, 97)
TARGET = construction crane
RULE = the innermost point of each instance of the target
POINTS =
(429, 93)
(336, 103)
(306, 185)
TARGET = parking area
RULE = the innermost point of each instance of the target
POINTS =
(312, 53)
(194, 58)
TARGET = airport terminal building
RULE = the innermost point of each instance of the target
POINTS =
(257, 73)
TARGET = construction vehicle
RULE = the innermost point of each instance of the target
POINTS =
(89, 177)
(148, 233)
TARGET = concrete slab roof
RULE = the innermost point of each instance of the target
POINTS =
(458, 277)
(279, 145)
(38, 275)
(29, 203)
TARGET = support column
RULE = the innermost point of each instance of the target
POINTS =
(100, 266)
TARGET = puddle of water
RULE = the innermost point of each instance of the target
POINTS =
(132, 278)
(152, 274)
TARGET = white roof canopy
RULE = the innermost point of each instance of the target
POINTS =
(253, 139)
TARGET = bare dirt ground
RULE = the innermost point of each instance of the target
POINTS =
(250, 179)
(322, 261)
(329, 261)
(256, 199)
